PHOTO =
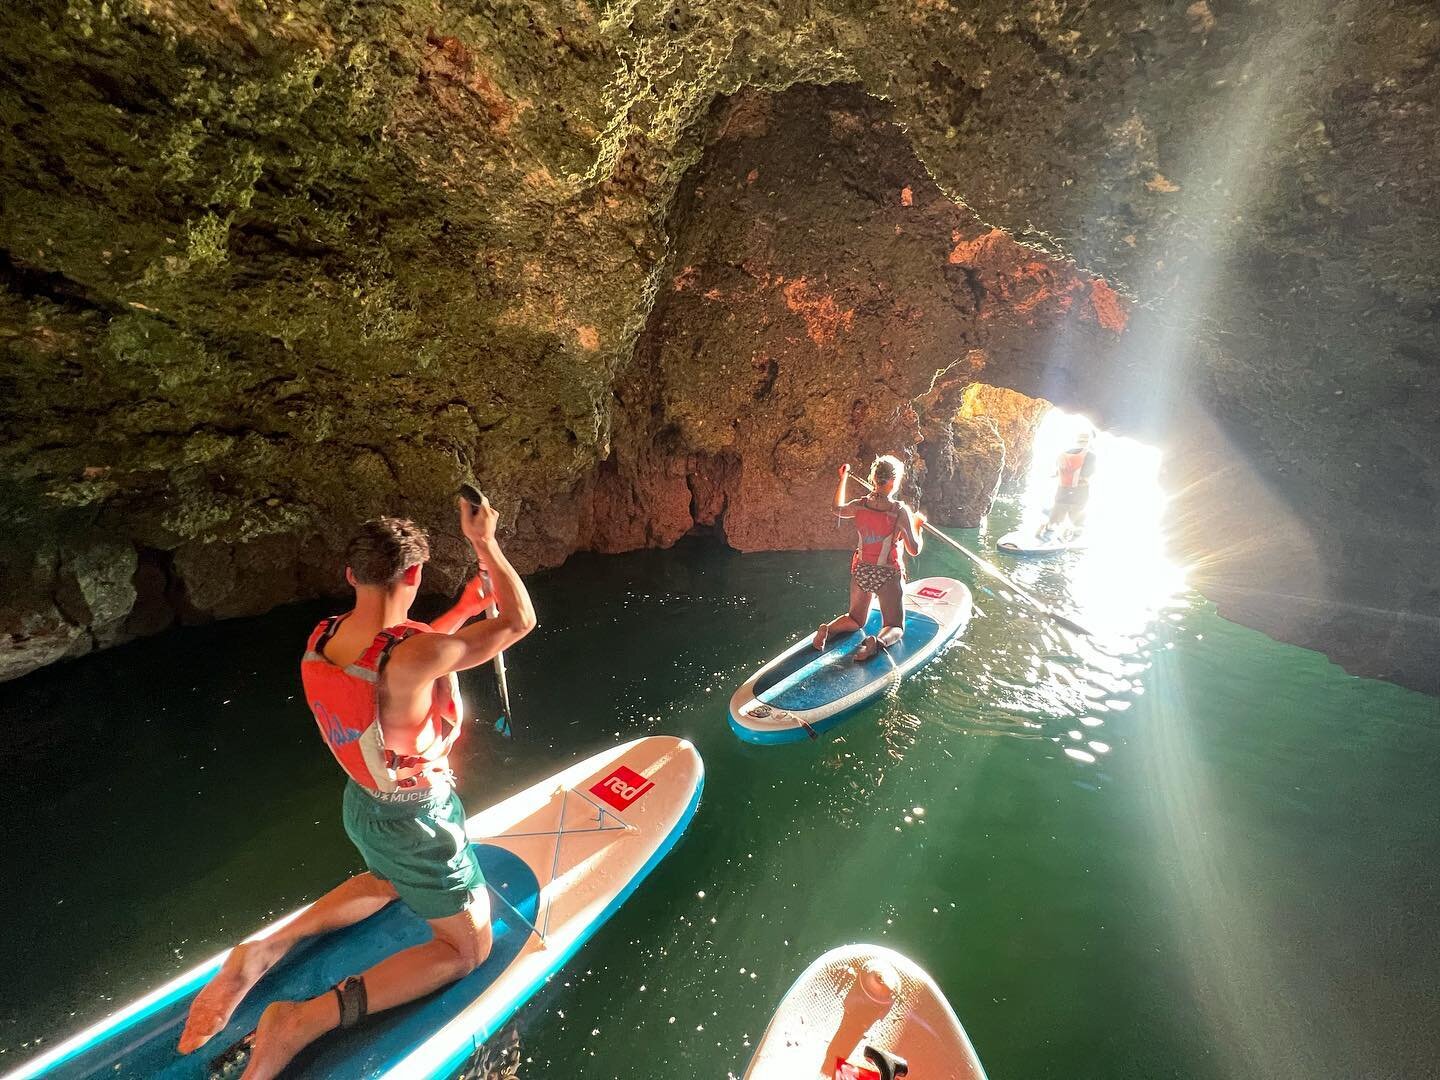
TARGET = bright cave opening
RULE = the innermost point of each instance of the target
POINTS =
(1122, 574)
(1126, 501)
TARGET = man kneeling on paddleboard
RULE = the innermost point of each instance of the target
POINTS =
(878, 566)
(383, 690)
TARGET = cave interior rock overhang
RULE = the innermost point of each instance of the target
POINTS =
(1108, 192)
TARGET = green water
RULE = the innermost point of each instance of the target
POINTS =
(1179, 850)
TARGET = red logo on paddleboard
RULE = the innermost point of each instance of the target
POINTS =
(622, 787)
(845, 1071)
(933, 593)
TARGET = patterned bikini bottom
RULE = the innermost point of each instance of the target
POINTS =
(872, 577)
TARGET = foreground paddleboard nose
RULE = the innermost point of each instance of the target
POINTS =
(858, 997)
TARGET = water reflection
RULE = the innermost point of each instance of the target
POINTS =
(1021, 675)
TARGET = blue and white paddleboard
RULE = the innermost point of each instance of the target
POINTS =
(560, 857)
(803, 692)
(858, 997)
(1027, 542)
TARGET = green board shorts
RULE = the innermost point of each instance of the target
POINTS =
(1072, 496)
(419, 847)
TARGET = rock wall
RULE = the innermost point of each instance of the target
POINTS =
(827, 302)
(265, 271)
(1014, 418)
(964, 467)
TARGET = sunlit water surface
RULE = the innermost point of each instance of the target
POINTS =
(1176, 849)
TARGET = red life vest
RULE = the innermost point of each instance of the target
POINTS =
(346, 704)
(1070, 465)
(878, 530)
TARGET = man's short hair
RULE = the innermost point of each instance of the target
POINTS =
(384, 549)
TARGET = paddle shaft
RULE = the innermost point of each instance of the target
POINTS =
(472, 494)
(990, 568)
(501, 682)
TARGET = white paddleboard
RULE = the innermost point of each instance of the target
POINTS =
(803, 692)
(858, 996)
(1026, 542)
(559, 858)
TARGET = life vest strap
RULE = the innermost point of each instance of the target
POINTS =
(386, 641)
(366, 669)
(320, 637)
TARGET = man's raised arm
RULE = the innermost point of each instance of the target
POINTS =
(429, 656)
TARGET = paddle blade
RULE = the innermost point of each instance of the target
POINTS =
(1068, 624)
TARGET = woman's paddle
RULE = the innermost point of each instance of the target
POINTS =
(471, 494)
(993, 571)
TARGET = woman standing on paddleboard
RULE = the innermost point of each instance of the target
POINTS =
(878, 567)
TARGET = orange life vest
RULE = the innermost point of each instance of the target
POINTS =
(346, 704)
(1070, 465)
(877, 530)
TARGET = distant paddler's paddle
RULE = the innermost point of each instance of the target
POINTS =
(993, 571)
(471, 494)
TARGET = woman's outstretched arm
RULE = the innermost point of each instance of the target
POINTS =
(843, 507)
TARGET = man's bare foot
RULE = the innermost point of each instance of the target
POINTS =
(868, 648)
(821, 638)
(211, 1009)
(286, 1028)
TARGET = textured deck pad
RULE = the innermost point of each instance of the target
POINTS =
(821, 678)
(319, 964)
(828, 1015)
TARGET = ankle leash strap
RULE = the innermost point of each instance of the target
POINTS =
(353, 1001)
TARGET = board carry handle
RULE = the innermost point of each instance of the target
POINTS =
(891, 1066)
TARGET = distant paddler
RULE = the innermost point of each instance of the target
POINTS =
(1073, 469)
(383, 691)
(887, 530)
